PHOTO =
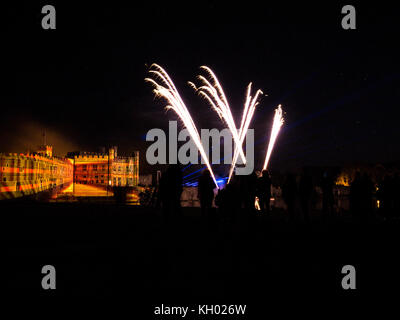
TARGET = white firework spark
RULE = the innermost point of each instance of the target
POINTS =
(276, 127)
(165, 88)
(248, 112)
(214, 94)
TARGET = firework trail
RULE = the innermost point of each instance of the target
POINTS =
(248, 112)
(276, 127)
(166, 89)
(214, 94)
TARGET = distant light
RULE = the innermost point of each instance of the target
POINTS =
(222, 181)
(257, 204)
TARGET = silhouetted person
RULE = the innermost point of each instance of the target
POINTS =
(163, 191)
(327, 194)
(206, 192)
(171, 191)
(235, 197)
(249, 191)
(386, 196)
(396, 194)
(264, 191)
(356, 195)
(361, 197)
(224, 202)
(305, 192)
(367, 194)
(380, 196)
(289, 190)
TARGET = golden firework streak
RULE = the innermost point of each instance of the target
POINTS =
(276, 127)
(166, 89)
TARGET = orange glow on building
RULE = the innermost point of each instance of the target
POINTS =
(31, 173)
(343, 180)
(46, 151)
(26, 174)
(106, 168)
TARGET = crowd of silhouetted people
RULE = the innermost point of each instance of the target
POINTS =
(251, 195)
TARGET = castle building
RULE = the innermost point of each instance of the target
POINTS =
(106, 168)
(30, 173)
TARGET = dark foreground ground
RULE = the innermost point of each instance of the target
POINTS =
(129, 253)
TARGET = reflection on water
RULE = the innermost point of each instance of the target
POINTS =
(77, 192)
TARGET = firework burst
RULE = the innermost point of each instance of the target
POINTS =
(248, 112)
(165, 88)
(212, 91)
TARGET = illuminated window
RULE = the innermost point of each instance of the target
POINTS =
(95, 167)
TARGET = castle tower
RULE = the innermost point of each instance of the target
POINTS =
(46, 151)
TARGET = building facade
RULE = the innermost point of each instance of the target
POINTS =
(106, 169)
(30, 173)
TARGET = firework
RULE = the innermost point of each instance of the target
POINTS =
(276, 127)
(248, 112)
(166, 89)
(214, 94)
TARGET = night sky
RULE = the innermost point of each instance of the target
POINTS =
(83, 82)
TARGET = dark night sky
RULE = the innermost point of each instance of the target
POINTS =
(83, 82)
